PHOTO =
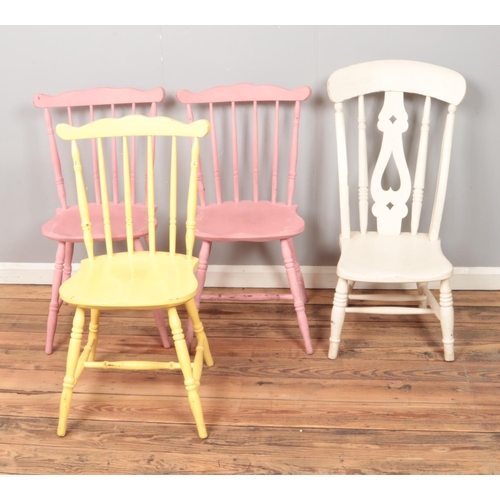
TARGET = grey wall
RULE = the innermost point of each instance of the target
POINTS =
(57, 59)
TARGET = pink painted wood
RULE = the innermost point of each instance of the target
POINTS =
(257, 219)
(65, 226)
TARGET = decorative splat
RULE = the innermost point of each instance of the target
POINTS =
(390, 206)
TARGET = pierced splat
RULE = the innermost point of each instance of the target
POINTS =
(390, 206)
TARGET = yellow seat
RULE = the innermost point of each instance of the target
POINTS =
(135, 280)
(138, 281)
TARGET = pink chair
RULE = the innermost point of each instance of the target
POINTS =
(256, 219)
(65, 226)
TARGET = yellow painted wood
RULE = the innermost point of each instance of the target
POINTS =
(104, 198)
(135, 280)
(69, 380)
(82, 200)
(192, 198)
(134, 125)
(128, 198)
(173, 198)
(151, 199)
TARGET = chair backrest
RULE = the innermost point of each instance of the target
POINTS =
(259, 96)
(395, 79)
(107, 100)
(129, 127)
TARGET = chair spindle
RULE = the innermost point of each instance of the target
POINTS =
(215, 156)
(105, 199)
(274, 178)
(342, 170)
(444, 166)
(255, 153)
(192, 198)
(292, 172)
(127, 196)
(236, 182)
(173, 198)
(419, 184)
(151, 198)
(362, 167)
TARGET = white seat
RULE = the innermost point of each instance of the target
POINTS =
(380, 258)
(390, 255)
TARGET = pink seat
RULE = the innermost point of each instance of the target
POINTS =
(243, 221)
(257, 219)
(65, 226)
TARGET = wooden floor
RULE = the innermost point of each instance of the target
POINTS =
(388, 405)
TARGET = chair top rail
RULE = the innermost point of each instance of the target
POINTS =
(243, 92)
(100, 96)
(398, 76)
(134, 125)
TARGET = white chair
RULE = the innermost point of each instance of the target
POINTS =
(389, 255)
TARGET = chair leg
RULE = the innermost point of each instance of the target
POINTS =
(338, 315)
(71, 364)
(201, 274)
(199, 331)
(95, 314)
(298, 272)
(297, 295)
(421, 287)
(447, 319)
(54, 301)
(68, 258)
(157, 313)
(185, 362)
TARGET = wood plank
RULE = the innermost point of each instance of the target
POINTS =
(268, 452)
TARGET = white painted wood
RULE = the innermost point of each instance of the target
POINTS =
(389, 206)
(403, 258)
(343, 171)
(444, 166)
(388, 310)
(396, 75)
(447, 319)
(419, 184)
(389, 256)
(362, 167)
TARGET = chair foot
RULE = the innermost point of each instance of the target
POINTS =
(333, 351)
(340, 301)
(449, 352)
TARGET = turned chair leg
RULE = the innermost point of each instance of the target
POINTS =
(298, 301)
(201, 274)
(71, 365)
(298, 272)
(54, 301)
(199, 331)
(447, 319)
(185, 362)
(338, 315)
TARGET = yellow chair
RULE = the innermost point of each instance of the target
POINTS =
(135, 280)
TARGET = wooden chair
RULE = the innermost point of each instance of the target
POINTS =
(388, 254)
(135, 280)
(65, 226)
(257, 219)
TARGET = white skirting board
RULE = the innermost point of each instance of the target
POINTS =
(465, 278)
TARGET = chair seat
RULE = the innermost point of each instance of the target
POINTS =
(248, 221)
(66, 225)
(392, 259)
(135, 281)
